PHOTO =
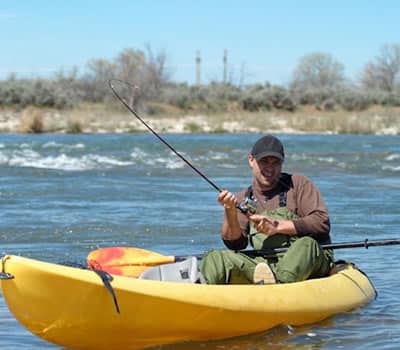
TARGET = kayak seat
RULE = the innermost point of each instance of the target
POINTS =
(186, 271)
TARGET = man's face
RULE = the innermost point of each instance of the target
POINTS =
(266, 171)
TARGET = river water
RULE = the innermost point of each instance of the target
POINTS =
(64, 195)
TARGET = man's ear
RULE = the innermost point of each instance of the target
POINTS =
(251, 160)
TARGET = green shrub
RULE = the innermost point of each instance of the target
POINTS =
(353, 101)
(74, 127)
(391, 99)
(251, 103)
(193, 128)
(286, 103)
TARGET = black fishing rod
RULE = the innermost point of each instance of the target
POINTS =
(126, 104)
(247, 207)
(272, 251)
(344, 245)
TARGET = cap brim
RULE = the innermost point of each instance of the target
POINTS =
(268, 154)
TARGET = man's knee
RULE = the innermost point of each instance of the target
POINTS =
(212, 267)
(307, 244)
(303, 260)
(226, 266)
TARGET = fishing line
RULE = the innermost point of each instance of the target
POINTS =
(126, 104)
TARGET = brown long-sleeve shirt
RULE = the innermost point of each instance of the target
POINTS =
(303, 198)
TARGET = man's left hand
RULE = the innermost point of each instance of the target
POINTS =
(264, 224)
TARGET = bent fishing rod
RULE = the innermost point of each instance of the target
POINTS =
(155, 133)
(247, 207)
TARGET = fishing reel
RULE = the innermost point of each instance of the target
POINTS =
(248, 206)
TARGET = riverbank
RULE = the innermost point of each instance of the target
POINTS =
(99, 119)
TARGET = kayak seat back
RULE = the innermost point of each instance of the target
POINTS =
(186, 271)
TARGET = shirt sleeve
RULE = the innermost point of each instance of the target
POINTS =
(242, 242)
(237, 244)
(243, 220)
(314, 217)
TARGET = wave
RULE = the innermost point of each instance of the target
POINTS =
(394, 156)
(33, 159)
(169, 160)
(151, 159)
(57, 145)
(82, 156)
(168, 163)
(391, 168)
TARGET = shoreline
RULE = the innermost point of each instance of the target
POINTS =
(97, 120)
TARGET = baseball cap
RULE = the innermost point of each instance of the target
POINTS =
(268, 146)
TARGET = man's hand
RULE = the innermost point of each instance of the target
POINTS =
(227, 199)
(230, 228)
(264, 224)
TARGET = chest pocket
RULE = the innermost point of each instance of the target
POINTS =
(261, 241)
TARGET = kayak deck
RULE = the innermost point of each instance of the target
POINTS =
(73, 308)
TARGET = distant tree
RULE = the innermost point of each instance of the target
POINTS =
(66, 87)
(130, 66)
(100, 71)
(158, 73)
(145, 69)
(318, 71)
(384, 72)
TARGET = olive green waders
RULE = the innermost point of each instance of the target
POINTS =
(303, 260)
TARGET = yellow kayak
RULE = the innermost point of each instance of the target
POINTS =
(73, 308)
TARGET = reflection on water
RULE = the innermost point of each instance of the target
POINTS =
(280, 338)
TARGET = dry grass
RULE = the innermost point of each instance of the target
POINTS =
(100, 118)
(377, 120)
(31, 121)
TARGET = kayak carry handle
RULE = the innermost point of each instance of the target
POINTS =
(3, 274)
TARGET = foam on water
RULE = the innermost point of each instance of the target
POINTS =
(62, 161)
(81, 156)
(391, 168)
(53, 144)
(394, 156)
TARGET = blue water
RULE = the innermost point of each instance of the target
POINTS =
(64, 195)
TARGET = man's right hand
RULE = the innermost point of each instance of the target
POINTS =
(227, 199)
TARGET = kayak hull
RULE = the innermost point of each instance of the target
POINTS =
(73, 308)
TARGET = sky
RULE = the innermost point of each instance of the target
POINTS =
(264, 39)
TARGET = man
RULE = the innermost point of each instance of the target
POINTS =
(290, 212)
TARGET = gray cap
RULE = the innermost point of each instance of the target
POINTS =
(268, 146)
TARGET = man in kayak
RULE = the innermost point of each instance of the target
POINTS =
(290, 212)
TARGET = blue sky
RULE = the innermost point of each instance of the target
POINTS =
(267, 38)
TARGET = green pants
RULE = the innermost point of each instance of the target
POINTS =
(303, 260)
